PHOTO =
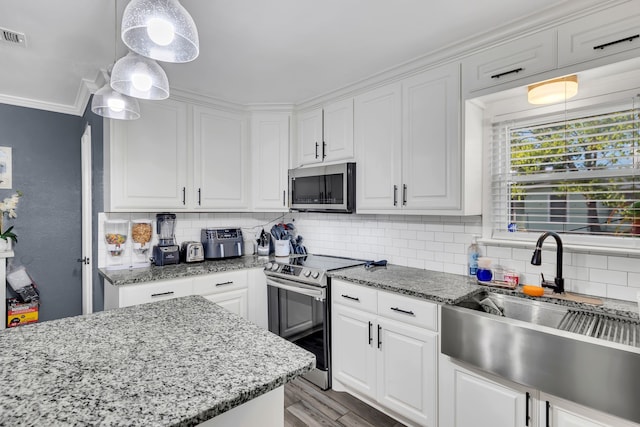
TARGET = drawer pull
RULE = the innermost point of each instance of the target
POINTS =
(350, 297)
(526, 416)
(497, 76)
(626, 39)
(399, 310)
(225, 283)
(162, 294)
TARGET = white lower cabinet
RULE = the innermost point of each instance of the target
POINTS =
(124, 296)
(234, 301)
(229, 290)
(470, 397)
(388, 363)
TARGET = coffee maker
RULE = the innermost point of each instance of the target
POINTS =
(166, 251)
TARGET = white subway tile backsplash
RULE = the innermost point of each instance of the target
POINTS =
(633, 279)
(608, 276)
(443, 237)
(589, 260)
(623, 264)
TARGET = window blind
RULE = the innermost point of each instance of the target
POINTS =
(575, 174)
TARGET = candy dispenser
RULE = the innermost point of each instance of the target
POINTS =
(141, 235)
(115, 234)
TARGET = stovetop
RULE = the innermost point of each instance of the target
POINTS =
(309, 269)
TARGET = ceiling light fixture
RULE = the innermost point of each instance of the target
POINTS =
(140, 77)
(160, 29)
(552, 91)
(112, 104)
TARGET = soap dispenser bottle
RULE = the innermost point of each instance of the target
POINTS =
(473, 252)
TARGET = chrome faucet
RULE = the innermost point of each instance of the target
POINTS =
(536, 259)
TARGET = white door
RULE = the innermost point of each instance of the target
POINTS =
(354, 341)
(87, 237)
(220, 159)
(338, 131)
(431, 146)
(407, 371)
(234, 301)
(377, 133)
(310, 137)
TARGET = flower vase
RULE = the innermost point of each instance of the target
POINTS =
(5, 245)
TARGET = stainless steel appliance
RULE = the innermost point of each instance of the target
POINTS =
(166, 251)
(222, 242)
(298, 295)
(323, 188)
(191, 252)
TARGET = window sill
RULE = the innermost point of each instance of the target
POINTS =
(569, 247)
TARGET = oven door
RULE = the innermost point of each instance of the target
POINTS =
(299, 313)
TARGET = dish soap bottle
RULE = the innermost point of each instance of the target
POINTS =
(473, 252)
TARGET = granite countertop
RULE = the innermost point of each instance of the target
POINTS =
(176, 271)
(449, 288)
(177, 362)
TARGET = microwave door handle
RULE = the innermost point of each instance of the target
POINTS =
(238, 249)
(314, 293)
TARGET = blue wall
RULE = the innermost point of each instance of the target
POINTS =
(47, 169)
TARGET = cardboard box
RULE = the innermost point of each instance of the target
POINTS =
(21, 313)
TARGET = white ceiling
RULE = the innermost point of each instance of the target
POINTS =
(251, 51)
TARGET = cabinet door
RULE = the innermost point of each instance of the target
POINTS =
(270, 155)
(510, 61)
(220, 282)
(147, 159)
(154, 291)
(563, 413)
(220, 160)
(407, 371)
(310, 137)
(234, 301)
(431, 145)
(257, 286)
(338, 131)
(617, 30)
(353, 351)
(377, 133)
(471, 398)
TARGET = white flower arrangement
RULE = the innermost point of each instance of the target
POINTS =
(8, 207)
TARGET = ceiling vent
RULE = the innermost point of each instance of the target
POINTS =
(12, 37)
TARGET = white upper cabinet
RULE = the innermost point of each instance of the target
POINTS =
(326, 135)
(617, 30)
(509, 61)
(270, 160)
(338, 131)
(310, 137)
(220, 165)
(147, 159)
(378, 133)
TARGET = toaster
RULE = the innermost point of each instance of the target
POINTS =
(191, 252)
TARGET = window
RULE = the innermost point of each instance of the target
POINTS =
(576, 173)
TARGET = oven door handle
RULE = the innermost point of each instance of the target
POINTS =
(317, 293)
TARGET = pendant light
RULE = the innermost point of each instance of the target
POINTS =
(140, 77)
(160, 29)
(552, 91)
(111, 104)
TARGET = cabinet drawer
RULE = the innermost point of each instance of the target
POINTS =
(155, 291)
(617, 30)
(356, 296)
(408, 310)
(220, 282)
(510, 61)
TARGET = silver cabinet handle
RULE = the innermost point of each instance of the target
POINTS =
(162, 294)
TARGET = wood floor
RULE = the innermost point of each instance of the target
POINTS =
(307, 405)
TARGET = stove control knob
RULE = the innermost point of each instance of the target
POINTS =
(268, 266)
(315, 274)
(307, 273)
(275, 266)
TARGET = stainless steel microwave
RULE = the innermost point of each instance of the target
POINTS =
(329, 188)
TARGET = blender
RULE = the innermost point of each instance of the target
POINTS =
(166, 251)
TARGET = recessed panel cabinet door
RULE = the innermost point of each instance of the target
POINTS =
(408, 371)
(338, 131)
(233, 301)
(270, 154)
(220, 159)
(148, 159)
(310, 137)
(377, 133)
(563, 413)
(431, 146)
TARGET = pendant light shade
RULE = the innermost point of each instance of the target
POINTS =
(114, 105)
(161, 30)
(140, 77)
(551, 91)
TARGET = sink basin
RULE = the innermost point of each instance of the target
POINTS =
(550, 347)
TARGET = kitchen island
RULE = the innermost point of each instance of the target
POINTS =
(179, 362)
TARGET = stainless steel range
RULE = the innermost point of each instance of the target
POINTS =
(298, 297)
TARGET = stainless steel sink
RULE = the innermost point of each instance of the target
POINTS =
(586, 357)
